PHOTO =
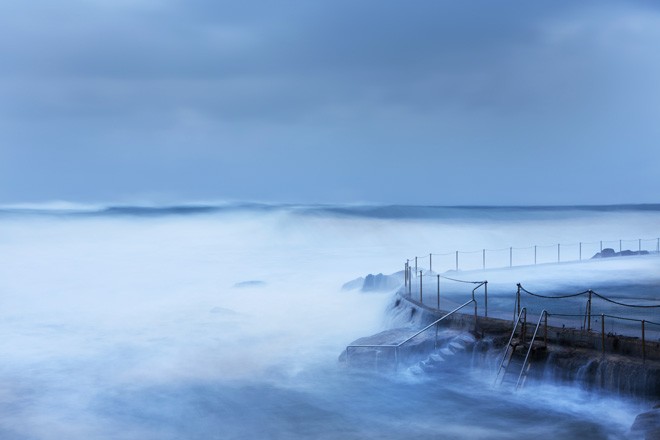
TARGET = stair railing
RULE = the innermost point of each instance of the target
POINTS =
(397, 346)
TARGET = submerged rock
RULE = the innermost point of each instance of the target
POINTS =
(250, 283)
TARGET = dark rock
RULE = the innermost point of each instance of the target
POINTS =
(609, 252)
(380, 282)
(647, 425)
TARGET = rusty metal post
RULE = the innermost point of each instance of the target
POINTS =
(643, 342)
(420, 287)
(602, 332)
(438, 292)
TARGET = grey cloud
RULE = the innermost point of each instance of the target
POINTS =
(219, 98)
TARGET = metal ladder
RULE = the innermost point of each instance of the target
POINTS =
(515, 363)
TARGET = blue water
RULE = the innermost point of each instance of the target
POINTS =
(226, 321)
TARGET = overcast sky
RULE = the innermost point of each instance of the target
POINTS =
(424, 102)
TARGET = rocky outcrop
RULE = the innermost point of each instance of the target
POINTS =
(609, 253)
(375, 283)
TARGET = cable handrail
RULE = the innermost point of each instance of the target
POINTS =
(589, 292)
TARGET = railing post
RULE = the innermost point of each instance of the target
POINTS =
(430, 262)
(415, 265)
(517, 302)
(523, 330)
(483, 258)
(580, 251)
(545, 331)
(643, 342)
(405, 274)
(456, 261)
(510, 256)
(620, 248)
(639, 245)
(589, 312)
(534, 254)
(558, 254)
(602, 332)
(420, 287)
(438, 292)
(486, 299)
(601, 247)
(409, 282)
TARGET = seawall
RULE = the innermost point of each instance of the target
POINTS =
(612, 363)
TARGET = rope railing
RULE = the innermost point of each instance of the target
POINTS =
(589, 292)
(587, 315)
(536, 254)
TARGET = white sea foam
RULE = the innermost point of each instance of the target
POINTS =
(133, 322)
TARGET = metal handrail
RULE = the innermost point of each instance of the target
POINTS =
(508, 345)
(531, 344)
(396, 346)
(436, 322)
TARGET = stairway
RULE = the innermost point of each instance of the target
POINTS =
(446, 351)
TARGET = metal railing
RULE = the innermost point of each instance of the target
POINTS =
(531, 255)
(396, 347)
(408, 287)
(510, 349)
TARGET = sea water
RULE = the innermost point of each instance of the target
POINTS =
(226, 322)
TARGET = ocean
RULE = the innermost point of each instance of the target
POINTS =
(226, 321)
